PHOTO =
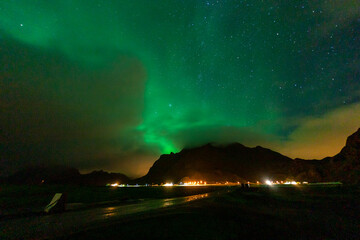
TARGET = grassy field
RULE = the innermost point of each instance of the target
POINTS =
(18, 199)
(258, 213)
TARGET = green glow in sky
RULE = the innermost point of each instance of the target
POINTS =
(182, 73)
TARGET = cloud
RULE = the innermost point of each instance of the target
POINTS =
(55, 110)
(308, 137)
(319, 137)
(199, 135)
(337, 14)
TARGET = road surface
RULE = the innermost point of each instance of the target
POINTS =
(56, 225)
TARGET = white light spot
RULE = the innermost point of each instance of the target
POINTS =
(268, 182)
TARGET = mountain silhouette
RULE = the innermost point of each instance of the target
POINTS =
(214, 163)
(58, 174)
(236, 162)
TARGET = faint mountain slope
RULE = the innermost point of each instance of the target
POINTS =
(236, 162)
(57, 174)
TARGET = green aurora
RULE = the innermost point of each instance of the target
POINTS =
(113, 84)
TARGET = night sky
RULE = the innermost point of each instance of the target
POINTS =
(113, 84)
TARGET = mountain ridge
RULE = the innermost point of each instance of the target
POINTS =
(236, 162)
(214, 162)
(59, 174)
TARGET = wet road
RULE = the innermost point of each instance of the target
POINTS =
(56, 225)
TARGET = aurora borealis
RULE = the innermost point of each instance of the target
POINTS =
(113, 84)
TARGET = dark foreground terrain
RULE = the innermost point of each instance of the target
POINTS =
(261, 213)
(24, 200)
(266, 212)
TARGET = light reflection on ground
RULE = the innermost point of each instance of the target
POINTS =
(49, 226)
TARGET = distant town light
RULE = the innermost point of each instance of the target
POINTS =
(168, 184)
(268, 182)
(195, 183)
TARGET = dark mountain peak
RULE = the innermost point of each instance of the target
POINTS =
(354, 140)
(214, 146)
(34, 174)
(351, 151)
(218, 162)
(101, 178)
(236, 162)
(234, 145)
(97, 172)
(205, 146)
(59, 174)
(208, 145)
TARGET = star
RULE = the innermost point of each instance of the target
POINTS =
(243, 64)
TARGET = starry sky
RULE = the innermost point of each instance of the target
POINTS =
(113, 84)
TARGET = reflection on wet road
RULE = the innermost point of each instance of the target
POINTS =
(38, 227)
